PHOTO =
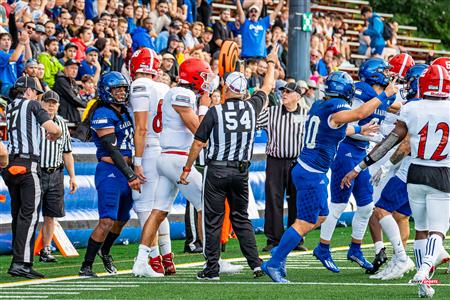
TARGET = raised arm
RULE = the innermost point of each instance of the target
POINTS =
(269, 79)
(277, 10)
(240, 12)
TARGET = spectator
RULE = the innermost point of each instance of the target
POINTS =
(374, 31)
(112, 7)
(172, 44)
(83, 40)
(168, 66)
(128, 12)
(64, 21)
(11, 61)
(141, 36)
(69, 93)
(37, 39)
(216, 98)
(204, 11)
(162, 38)
(206, 39)
(40, 76)
(88, 89)
(70, 52)
(3, 17)
(90, 65)
(311, 94)
(221, 32)
(122, 35)
(99, 28)
(164, 78)
(159, 16)
(191, 35)
(254, 30)
(31, 68)
(50, 28)
(283, 20)
(322, 64)
(51, 63)
(78, 21)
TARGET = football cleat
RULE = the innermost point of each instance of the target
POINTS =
(257, 272)
(141, 268)
(283, 263)
(400, 267)
(86, 271)
(379, 260)
(226, 267)
(108, 262)
(273, 273)
(169, 266)
(324, 255)
(443, 258)
(357, 256)
(425, 290)
(203, 276)
(46, 256)
(156, 264)
(384, 271)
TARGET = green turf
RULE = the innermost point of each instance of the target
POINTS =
(309, 279)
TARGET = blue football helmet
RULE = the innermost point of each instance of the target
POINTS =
(109, 81)
(373, 71)
(340, 84)
(412, 81)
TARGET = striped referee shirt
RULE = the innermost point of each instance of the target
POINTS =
(230, 128)
(284, 130)
(23, 118)
(52, 151)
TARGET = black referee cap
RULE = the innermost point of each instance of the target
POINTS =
(50, 96)
(25, 82)
(292, 87)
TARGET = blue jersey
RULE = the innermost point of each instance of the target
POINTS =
(103, 118)
(364, 93)
(321, 140)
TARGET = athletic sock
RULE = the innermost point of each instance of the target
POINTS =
(419, 251)
(290, 239)
(434, 246)
(143, 253)
(109, 241)
(392, 231)
(154, 251)
(327, 228)
(165, 245)
(378, 246)
(91, 251)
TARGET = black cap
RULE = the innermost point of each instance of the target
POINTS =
(50, 95)
(292, 86)
(71, 62)
(25, 82)
(176, 24)
(174, 37)
(70, 45)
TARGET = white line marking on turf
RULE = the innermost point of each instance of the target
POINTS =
(38, 293)
(43, 288)
(21, 297)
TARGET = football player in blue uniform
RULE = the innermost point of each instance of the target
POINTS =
(394, 196)
(373, 74)
(112, 132)
(325, 128)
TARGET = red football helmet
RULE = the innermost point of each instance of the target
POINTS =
(144, 60)
(198, 73)
(442, 61)
(434, 82)
(401, 63)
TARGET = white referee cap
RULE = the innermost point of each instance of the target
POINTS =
(236, 82)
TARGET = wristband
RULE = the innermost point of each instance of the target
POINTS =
(186, 169)
(383, 98)
(202, 110)
(357, 129)
(357, 168)
(137, 161)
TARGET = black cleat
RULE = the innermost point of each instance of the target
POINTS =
(203, 276)
(24, 270)
(197, 249)
(86, 271)
(268, 248)
(379, 260)
(46, 256)
(257, 272)
(108, 262)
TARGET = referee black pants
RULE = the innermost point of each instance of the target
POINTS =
(22, 177)
(278, 181)
(220, 183)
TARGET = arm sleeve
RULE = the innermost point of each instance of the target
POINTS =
(40, 113)
(109, 142)
(206, 126)
(257, 100)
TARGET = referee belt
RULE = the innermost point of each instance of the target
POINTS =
(52, 169)
(229, 164)
(31, 157)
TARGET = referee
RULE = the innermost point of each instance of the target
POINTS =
(24, 117)
(54, 155)
(229, 129)
(284, 126)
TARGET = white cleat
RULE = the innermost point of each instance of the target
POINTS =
(141, 268)
(228, 268)
(425, 290)
(400, 268)
(386, 270)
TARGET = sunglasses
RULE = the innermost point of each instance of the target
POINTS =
(253, 11)
(29, 27)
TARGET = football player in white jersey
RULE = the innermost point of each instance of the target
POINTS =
(180, 122)
(146, 101)
(428, 124)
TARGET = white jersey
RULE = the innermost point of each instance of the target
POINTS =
(147, 95)
(388, 123)
(428, 123)
(175, 135)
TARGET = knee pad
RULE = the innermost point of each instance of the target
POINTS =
(328, 226)
(360, 220)
(142, 217)
(336, 210)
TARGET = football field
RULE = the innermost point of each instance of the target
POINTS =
(309, 279)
